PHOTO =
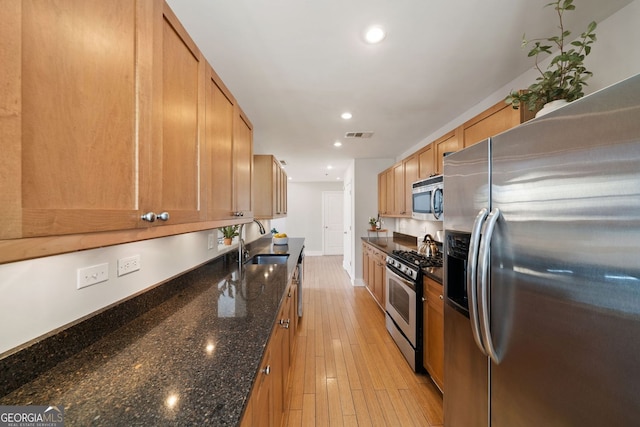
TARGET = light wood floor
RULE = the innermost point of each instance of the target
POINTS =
(347, 370)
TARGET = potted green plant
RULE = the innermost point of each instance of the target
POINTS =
(566, 74)
(229, 232)
(372, 222)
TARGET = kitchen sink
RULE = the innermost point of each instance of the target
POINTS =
(269, 259)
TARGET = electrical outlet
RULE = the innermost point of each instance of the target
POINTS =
(88, 276)
(128, 265)
(210, 240)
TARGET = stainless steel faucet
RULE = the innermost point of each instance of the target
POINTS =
(262, 230)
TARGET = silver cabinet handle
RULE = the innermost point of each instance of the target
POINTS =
(149, 216)
(483, 273)
(441, 297)
(424, 299)
(164, 216)
(472, 284)
(238, 214)
(267, 370)
(285, 323)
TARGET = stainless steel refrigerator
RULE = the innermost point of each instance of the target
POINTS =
(542, 270)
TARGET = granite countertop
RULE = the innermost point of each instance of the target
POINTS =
(191, 360)
(389, 244)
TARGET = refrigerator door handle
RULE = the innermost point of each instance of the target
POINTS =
(483, 273)
(472, 282)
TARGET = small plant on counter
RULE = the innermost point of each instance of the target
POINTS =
(566, 73)
(274, 231)
(229, 232)
(372, 222)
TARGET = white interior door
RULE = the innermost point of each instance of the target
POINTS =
(332, 218)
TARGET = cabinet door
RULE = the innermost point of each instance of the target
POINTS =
(410, 166)
(390, 192)
(174, 184)
(434, 332)
(448, 143)
(277, 180)
(398, 189)
(493, 121)
(262, 395)
(72, 131)
(283, 191)
(379, 277)
(243, 162)
(426, 166)
(365, 264)
(382, 193)
(218, 158)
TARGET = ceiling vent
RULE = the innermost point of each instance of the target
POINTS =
(283, 162)
(358, 134)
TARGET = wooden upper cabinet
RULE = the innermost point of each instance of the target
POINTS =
(382, 193)
(175, 166)
(426, 166)
(218, 157)
(495, 120)
(69, 159)
(243, 164)
(398, 189)
(448, 143)
(410, 166)
(101, 132)
(270, 187)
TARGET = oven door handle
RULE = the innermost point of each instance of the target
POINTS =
(472, 282)
(483, 273)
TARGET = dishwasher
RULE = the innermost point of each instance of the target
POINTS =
(299, 278)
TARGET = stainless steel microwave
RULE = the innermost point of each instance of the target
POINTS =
(428, 199)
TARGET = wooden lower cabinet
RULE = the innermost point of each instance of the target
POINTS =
(268, 399)
(433, 332)
(374, 272)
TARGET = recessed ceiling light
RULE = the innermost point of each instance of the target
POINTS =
(337, 144)
(329, 167)
(338, 178)
(290, 178)
(346, 115)
(374, 34)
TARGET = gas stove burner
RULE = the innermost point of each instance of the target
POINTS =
(413, 257)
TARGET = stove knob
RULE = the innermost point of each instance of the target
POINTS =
(411, 273)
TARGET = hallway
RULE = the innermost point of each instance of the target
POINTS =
(347, 370)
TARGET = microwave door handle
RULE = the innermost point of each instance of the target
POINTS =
(483, 273)
(472, 282)
(437, 215)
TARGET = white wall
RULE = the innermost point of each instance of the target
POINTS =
(304, 213)
(365, 204)
(615, 56)
(40, 295)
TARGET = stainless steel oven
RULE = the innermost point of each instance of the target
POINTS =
(403, 313)
(403, 304)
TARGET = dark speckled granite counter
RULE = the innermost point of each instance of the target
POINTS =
(389, 244)
(190, 360)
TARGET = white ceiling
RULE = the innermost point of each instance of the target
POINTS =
(296, 65)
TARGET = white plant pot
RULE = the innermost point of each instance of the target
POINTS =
(551, 106)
